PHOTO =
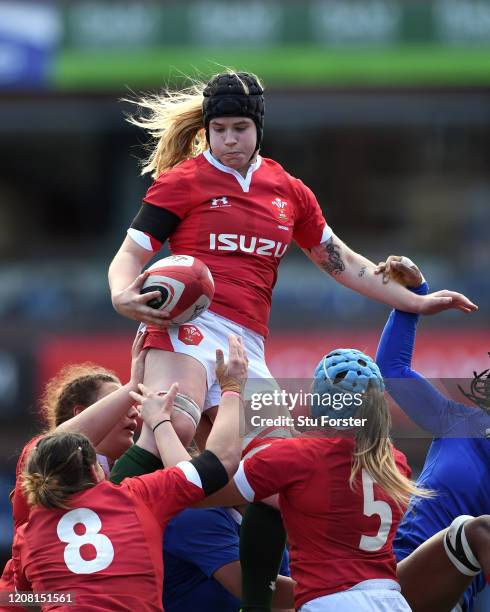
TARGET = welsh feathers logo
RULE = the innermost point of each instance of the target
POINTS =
(190, 334)
(281, 209)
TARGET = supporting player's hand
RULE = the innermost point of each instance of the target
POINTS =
(401, 269)
(153, 406)
(138, 356)
(132, 304)
(404, 271)
(444, 300)
(232, 375)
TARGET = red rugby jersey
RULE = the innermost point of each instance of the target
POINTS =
(240, 227)
(337, 536)
(20, 507)
(107, 549)
(20, 512)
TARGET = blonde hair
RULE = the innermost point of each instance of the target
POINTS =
(176, 122)
(374, 451)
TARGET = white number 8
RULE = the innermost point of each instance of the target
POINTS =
(103, 546)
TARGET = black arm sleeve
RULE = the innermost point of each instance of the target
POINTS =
(158, 222)
(211, 471)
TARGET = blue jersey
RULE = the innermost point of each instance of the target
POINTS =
(457, 465)
(197, 543)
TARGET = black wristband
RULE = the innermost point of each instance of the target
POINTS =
(164, 421)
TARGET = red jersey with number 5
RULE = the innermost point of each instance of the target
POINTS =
(107, 548)
(337, 536)
(240, 227)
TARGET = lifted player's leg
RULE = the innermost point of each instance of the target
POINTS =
(162, 368)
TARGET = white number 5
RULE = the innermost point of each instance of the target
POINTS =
(103, 546)
(379, 507)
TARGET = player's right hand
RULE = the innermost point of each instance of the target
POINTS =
(138, 356)
(401, 269)
(232, 375)
(153, 406)
(132, 304)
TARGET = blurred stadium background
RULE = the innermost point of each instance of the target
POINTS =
(381, 106)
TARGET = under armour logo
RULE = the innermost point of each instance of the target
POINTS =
(272, 585)
(219, 202)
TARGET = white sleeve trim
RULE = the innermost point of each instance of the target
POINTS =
(243, 485)
(190, 473)
(327, 233)
(140, 238)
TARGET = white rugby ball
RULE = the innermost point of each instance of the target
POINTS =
(186, 287)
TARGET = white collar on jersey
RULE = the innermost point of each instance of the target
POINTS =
(243, 182)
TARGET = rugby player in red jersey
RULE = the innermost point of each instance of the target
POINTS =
(85, 398)
(101, 541)
(342, 493)
(215, 198)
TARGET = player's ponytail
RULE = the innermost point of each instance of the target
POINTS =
(74, 386)
(175, 122)
(374, 450)
(58, 467)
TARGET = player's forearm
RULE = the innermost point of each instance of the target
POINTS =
(147, 442)
(124, 268)
(357, 273)
(396, 345)
(224, 439)
(97, 420)
(170, 448)
(359, 276)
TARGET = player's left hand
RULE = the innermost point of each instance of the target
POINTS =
(444, 300)
(401, 269)
(232, 376)
(153, 406)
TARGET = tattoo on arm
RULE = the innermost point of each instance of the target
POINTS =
(362, 271)
(328, 258)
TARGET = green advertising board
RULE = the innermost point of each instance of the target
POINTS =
(316, 42)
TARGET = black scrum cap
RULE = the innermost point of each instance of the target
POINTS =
(226, 96)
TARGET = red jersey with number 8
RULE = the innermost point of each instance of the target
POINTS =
(107, 548)
(240, 227)
(337, 536)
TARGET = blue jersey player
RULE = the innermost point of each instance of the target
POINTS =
(202, 566)
(457, 466)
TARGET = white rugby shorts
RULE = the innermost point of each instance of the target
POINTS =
(200, 339)
(367, 596)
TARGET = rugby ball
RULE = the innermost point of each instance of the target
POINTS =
(185, 284)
